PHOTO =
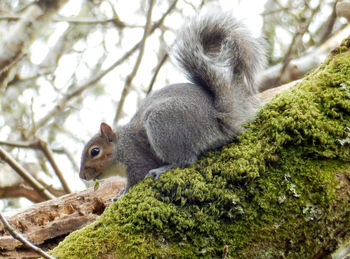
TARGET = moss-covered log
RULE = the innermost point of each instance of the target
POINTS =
(281, 190)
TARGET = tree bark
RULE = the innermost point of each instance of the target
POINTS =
(48, 222)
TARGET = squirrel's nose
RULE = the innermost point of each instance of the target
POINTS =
(82, 173)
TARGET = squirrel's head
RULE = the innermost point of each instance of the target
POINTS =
(98, 154)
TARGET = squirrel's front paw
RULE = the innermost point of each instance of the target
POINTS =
(155, 173)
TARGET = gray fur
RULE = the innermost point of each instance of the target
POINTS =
(218, 53)
(176, 124)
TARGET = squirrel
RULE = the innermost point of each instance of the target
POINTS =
(177, 123)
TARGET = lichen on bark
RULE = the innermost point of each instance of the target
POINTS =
(282, 189)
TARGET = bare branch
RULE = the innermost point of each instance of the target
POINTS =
(130, 77)
(343, 9)
(81, 20)
(34, 145)
(270, 77)
(47, 152)
(17, 191)
(270, 12)
(21, 238)
(27, 144)
(10, 17)
(25, 175)
(298, 35)
(118, 23)
(328, 26)
(69, 155)
(92, 81)
(22, 190)
(156, 71)
(6, 67)
(18, 144)
(23, 34)
(42, 145)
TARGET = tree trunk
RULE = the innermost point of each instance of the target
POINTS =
(282, 190)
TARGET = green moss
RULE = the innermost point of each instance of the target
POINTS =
(273, 193)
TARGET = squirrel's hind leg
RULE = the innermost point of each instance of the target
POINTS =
(168, 131)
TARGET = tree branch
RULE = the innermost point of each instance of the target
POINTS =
(25, 175)
(92, 81)
(132, 75)
(23, 190)
(42, 145)
(269, 78)
(343, 9)
(47, 152)
(328, 26)
(81, 20)
(298, 35)
(69, 155)
(22, 35)
(156, 71)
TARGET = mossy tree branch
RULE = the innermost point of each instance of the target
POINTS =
(282, 189)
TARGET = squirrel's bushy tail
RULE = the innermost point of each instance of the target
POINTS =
(218, 53)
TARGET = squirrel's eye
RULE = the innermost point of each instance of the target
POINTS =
(94, 152)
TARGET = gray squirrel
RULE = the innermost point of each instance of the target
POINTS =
(176, 124)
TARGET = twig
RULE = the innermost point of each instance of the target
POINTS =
(343, 9)
(69, 155)
(11, 63)
(297, 35)
(270, 12)
(27, 144)
(159, 66)
(34, 145)
(24, 241)
(25, 175)
(22, 190)
(10, 17)
(18, 144)
(47, 152)
(24, 32)
(132, 75)
(92, 81)
(328, 26)
(83, 20)
(118, 23)
(42, 145)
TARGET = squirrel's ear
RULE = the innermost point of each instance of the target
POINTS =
(107, 132)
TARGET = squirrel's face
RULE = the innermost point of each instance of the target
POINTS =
(98, 155)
